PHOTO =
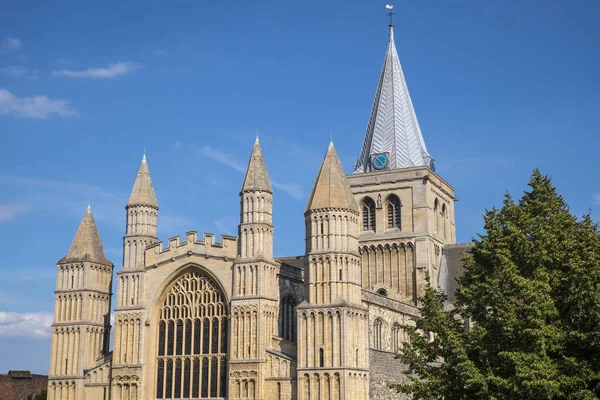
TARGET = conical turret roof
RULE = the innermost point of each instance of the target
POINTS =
(331, 189)
(393, 128)
(87, 245)
(257, 177)
(143, 191)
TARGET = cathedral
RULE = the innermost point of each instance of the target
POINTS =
(200, 317)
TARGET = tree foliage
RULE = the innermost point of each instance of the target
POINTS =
(531, 296)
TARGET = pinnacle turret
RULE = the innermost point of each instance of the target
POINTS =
(331, 189)
(257, 177)
(143, 191)
(87, 245)
(393, 138)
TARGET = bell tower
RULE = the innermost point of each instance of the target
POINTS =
(406, 208)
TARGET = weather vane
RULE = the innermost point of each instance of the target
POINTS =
(391, 13)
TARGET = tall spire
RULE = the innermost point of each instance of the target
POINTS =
(393, 129)
(87, 245)
(331, 189)
(257, 177)
(143, 191)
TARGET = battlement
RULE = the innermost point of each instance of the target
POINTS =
(208, 247)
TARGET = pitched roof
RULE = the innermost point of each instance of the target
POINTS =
(143, 191)
(87, 245)
(393, 127)
(331, 189)
(257, 177)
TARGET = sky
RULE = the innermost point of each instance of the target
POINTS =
(500, 87)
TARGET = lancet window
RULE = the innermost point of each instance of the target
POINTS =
(368, 214)
(192, 340)
(394, 212)
(377, 328)
(287, 318)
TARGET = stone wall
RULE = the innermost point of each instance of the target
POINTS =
(384, 370)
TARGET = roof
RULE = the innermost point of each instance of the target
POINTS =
(142, 193)
(257, 177)
(393, 128)
(87, 245)
(21, 384)
(451, 268)
(331, 189)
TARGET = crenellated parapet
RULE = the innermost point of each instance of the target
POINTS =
(176, 248)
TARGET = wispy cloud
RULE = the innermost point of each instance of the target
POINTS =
(111, 71)
(11, 211)
(293, 189)
(223, 158)
(597, 198)
(35, 325)
(34, 107)
(160, 53)
(10, 44)
(227, 225)
(17, 71)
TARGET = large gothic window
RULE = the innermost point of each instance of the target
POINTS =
(287, 318)
(368, 214)
(192, 340)
(394, 212)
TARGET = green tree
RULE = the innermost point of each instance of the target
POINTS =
(531, 291)
(41, 396)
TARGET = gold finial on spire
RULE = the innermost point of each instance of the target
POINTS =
(256, 135)
(391, 13)
(330, 137)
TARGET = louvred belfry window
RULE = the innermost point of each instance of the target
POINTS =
(368, 214)
(192, 340)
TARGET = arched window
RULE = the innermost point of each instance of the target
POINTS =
(377, 327)
(287, 318)
(394, 212)
(444, 216)
(396, 337)
(436, 216)
(368, 211)
(182, 328)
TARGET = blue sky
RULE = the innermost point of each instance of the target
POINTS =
(500, 87)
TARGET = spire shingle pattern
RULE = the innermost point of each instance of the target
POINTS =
(393, 127)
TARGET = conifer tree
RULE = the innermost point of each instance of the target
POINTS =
(526, 323)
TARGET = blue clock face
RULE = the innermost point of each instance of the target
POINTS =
(380, 161)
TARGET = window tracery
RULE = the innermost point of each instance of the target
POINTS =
(394, 212)
(368, 214)
(192, 340)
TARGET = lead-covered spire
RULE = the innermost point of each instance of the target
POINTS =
(142, 193)
(257, 177)
(393, 131)
(87, 245)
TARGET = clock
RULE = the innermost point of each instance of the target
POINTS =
(380, 161)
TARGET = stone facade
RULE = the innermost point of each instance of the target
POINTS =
(201, 317)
